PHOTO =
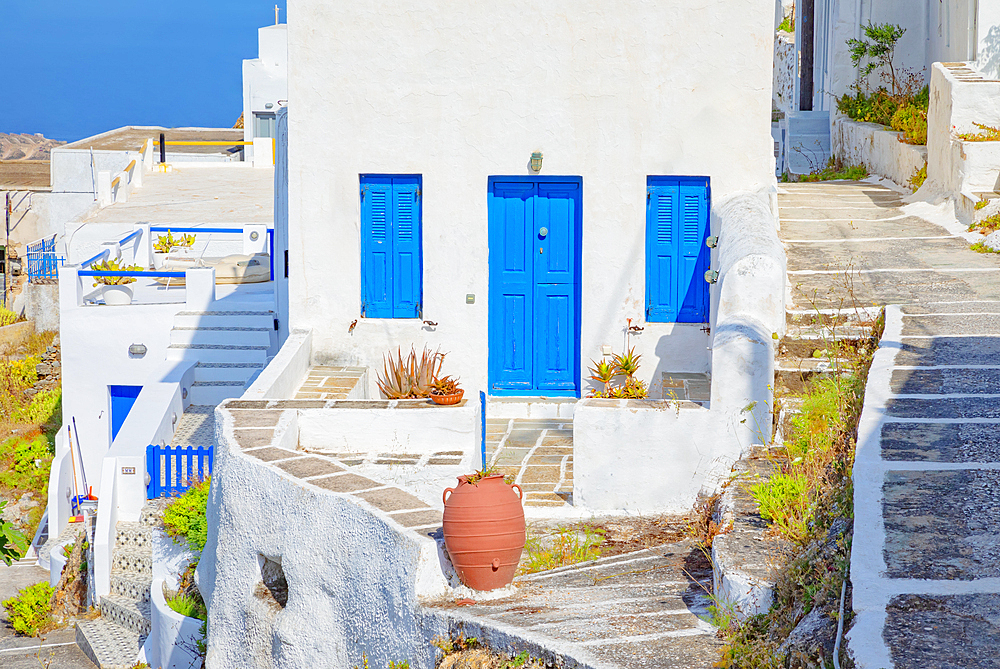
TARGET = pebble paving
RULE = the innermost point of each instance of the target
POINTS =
(927, 473)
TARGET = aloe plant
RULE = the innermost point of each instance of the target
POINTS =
(114, 266)
(624, 364)
(411, 377)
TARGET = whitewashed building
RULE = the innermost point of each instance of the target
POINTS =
(265, 82)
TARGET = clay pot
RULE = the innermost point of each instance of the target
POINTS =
(446, 400)
(484, 531)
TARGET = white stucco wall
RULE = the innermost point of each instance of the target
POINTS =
(988, 46)
(954, 166)
(265, 78)
(783, 84)
(647, 456)
(876, 147)
(612, 96)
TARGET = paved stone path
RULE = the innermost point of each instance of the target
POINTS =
(329, 383)
(538, 454)
(927, 512)
(642, 609)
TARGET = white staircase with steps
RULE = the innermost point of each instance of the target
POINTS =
(230, 348)
(113, 640)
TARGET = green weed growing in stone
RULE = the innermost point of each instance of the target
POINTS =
(787, 25)
(980, 247)
(918, 177)
(982, 203)
(833, 172)
(568, 545)
(986, 225)
(987, 134)
(30, 612)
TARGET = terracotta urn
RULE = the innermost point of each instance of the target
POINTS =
(445, 400)
(484, 531)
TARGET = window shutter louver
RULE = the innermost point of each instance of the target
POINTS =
(376, 249)
(406, 268)
(391, 253)
(661, 253)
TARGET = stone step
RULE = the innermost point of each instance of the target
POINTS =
(133, 536)
(232, 336)
(217, 353)
(138, 562)
(131, 586)
(808, 347)
(108, 645)
(226, 371)
(214, 392)
(131, 614)
(253, 319)
(152, 511)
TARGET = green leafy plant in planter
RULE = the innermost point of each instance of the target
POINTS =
(625, 366)
(163, 244)
(412, 377)
(113, 266)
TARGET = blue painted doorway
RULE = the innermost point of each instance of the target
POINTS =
(122, 399)
(535, 228)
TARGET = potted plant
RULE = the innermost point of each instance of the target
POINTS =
(114, 288)
(484, 529)
(409, 378)
(445, 391)
(621, 365)
(165, 244)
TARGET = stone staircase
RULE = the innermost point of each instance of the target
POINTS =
(230, 347)
(806, 352)
(113, 641)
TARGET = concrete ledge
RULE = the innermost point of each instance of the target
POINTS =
(877, 148)
(646, 456)
(284, 374)
(12, 335)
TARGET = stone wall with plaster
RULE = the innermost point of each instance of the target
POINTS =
(877, 148)
(460, 96)
(307, 564)
(783, 84)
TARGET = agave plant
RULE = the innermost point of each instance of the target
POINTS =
(445, 385)
(411, 377)
(624, 364)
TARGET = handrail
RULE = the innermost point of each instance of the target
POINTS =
(176, 229)
(130, 236)
(130, 166)
(116, 181)
(93, 272)
(186, 143)
(87, 263)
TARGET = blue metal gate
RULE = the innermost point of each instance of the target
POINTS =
(174, 469)
(42, 261)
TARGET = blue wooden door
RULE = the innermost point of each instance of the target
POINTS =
(534, 238)
(122, 399)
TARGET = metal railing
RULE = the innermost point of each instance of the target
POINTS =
(270, 237)
(43, 264)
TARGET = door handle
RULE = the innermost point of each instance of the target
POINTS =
(543, 232)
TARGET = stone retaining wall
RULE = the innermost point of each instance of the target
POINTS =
(877, 148)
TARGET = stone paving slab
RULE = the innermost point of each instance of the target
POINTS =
(924, 381)
(941, 442)
(960, 351)
(944, 631)
(942, 524)
(848, 227)
(951, 308)
(537, 453)
(966, 325)
(899, 253)
(949, 407)
(825, 291)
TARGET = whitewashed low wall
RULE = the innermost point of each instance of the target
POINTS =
(174, 637)
(877, 148)
(783, 84)
(284, 374)
(392, 426)
(751, 318)
(978, 166)
(646, 456)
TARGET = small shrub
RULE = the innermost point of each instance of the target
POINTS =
(787, 25)
(918, 177)
(982, 204)
(43, 408)
(912, 122)
(7, 317)
(988, 134)
(185, 517)
(878, 49)
(986, 225)
(831, 173)
(30, 611)
(13, 543)
(27, 464)
(188, 605)
(980, 247)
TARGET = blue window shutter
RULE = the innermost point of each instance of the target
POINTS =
(406, 258)
(662, 245)
(692, 288)
(376, 247)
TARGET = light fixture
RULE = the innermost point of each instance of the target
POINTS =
(254, 236)
(137, 350)
(712, 275)
(712, 242)
(536, 161)
(269, 105)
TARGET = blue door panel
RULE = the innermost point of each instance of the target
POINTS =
(122, 400)
(534, 239)
(554, 354)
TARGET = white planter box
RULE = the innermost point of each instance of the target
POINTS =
(174, 637)
(876, 147)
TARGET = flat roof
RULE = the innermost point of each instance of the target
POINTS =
(132, 138)
(25, 175)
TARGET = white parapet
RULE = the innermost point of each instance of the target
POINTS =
(104, 197)
(255, 239)
(200, 284)
(263, 152)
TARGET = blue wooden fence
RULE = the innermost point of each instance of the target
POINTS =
(42, 261)
(174, 469)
